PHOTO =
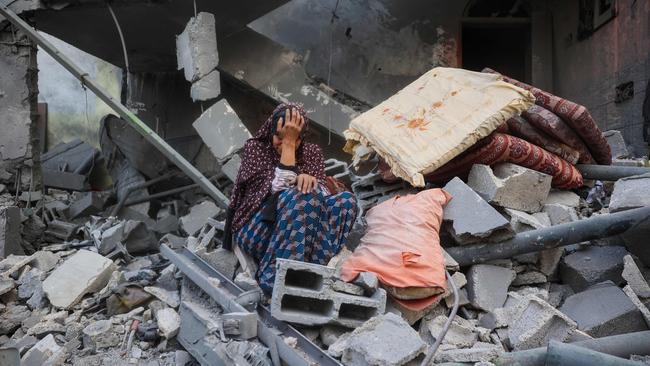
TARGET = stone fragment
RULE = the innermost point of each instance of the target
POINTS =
(461, 333)
(480, 352)
(196, 47)
(337, 348)
(45, 352)
(558, 293)
(522, 221)
(565, 198)
(630, 192)
(169, 322)
(635, 278)
(29, 282)
(487, 285)
(10, 240)
(538, 324)
(223, 260)
(348, 288)
(85, 204)
(603, 310)
(246, 282)
(560, 214)
(592, 265)
(207, 87)
(221, 130)
(383, 340)
(329, 334)
(100, 335)
(46, 327)
(84, 272)
(511, 186)
(484, 221)
(368, 281)
(463, 299)
(616, 144)
(171, 298)
(529, 278)
(6, 285)
(22, 344)
(637, 302)
(198, 216)
(44, 260)
(413, 315)
(12, 318)
(549, 260)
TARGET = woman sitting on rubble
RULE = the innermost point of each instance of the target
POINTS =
(282, 205)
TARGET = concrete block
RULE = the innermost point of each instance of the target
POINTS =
(603, 310)
(504, 316)
(207, 87)
(303, 293)
(10, 240)
(543, 218)
(638, 303)
(592, 265)
(487, 285)
(196, 47)
(86, 204)
(484, 222)
(461, 333)
(511, 186)
(171, 298)
(198, 216)
(231, 168)
(169, 322)
(84, 272)
(558, 293)
(566, 198)
(383, 340)
(463, 299)
(348, 288)
(522, 221)
(368, 281)
(616, 144)
(480, 352)
(538, 324)
(529, 278)
(223, 260)
(560, 214)
(221, 130)
(45, 352)
(100, 335)
(548, 261)
(635, 278)
(630, 192)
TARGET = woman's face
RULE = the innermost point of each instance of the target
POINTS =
(277, 142)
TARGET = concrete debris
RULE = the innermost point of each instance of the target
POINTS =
(603, 310)
(169, 322)
(484, 222)
(304, 293)
(529, 278)
(592, 265)
(560, 214)
(487, 285)
(461, 333)
(45, 352)
(639, 305)
(538, 324)
(10, 224)
(198, 216)
(171, 298)
(368, 281)
(231, 167)
(616, 144)
(207, 87)
(82, 273)
(383, 340)
(522, 221)
(330, 334)
(511, 186)
(566, 198)
(480, 352)
(221, 130)
(631, 192)
(196, 47)
(636, 279)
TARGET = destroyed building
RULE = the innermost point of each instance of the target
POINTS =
(123, 124)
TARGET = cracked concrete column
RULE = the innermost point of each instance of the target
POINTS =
(19, 147)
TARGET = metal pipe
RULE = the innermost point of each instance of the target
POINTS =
(119, 108)
(595, 227)
(610, 172)
(564, 354)
(135, 187)
(621, 345)
(154, 196)
(432, 351)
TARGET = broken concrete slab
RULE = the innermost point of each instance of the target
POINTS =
(566, 198)
(487, 285)
(368, 281)
(538, 324)
(548, 261)
(303, 293)
(484, 221)
(603, 310)
(169, 322)
(461, 333)
(522, 221)
(82, 273)
(231, 168)
(45, 352)
(171, 298)
(198, 216)
(560, 214)
(10, 224)
(635, 278)
(223, 260)
(221, 130)
(511, 186)
(12, 318)
(529, 278)
(196, 47)
(85, 204)
(207, 87)
(617, 144)
(592, 265)
(638, 303)
(383, 340)
(480, 352)
(630, 192)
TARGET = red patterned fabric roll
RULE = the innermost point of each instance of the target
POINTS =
(499, 148)
(574, 115)
(548, 122)
(519, 127)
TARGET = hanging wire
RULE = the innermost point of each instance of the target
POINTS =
(452, 315)
(194, 8)
(329, 74)
(126, 56)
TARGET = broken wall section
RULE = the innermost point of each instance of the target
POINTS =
(19, 141)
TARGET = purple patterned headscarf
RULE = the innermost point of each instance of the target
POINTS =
(258, 168)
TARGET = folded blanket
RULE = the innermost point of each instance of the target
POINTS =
(518, 126)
